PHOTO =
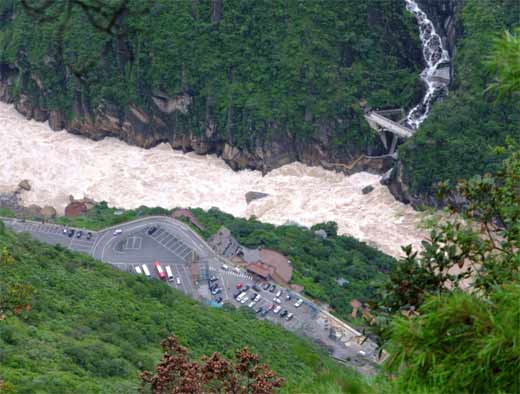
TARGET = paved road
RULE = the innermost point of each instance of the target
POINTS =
(174, 244)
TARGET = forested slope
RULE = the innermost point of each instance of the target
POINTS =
(262, 83)
(459, 138)
(91, 328)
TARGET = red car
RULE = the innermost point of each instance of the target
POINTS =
(239, 285)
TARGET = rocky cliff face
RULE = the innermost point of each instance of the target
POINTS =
(151, 127)
(444, 15)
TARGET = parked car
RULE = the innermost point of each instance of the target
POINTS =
(257, 297)
(256, 288)
(118, 231)
(265, 312)
(288, 296)
(213, 278)
(298, 303)
(244, 300)
(65, 231)
(237, 293)
(277, 300)
(219, 300)
(71, 233)
(266, 286)
(225, 267)
(269, 307)
(79, 233)
(252, 304)
(277, 309)
(216, 291)
(289, 316)
(152, 230)
(260, 309)
(247, 287)
(239, 285)
(89, 235)
(284, 313)
(279, 293)
(237, 270)
(178, 280)
(272, 288)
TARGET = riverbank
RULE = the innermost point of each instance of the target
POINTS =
(60, 164)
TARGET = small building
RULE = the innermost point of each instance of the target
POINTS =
(269, 264)
(75, 208)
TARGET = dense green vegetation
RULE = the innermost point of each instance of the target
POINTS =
(91, 329)
(457, 141)
(462, 341)
(254, 68)
(317, 263)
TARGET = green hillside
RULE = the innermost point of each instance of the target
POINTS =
(252, 69)
(92, 328)
(458, 140)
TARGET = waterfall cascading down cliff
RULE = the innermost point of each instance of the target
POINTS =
(435, 55)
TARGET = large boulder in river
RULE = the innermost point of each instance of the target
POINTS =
(367, 189)
(24, 185)
(48, 212)
(251, 196)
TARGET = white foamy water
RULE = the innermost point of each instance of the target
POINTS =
(59, 164)
(434, 55)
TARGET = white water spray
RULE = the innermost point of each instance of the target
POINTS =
(435, 55)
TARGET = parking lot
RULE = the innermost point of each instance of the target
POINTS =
(230, 279)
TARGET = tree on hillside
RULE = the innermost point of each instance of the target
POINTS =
(479, 245)
(177, 373)
(504, 63)
(462, 341)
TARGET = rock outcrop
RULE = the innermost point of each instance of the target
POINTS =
(251, 196)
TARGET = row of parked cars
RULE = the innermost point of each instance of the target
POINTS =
(215, 289)
(241, 295)
(70, 233)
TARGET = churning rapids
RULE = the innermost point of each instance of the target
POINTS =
(59, 164)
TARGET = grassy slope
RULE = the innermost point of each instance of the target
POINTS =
(317, 264)
(91, 329)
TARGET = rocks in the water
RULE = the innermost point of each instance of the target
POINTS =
(367, 189)
(24, 185)
(251, 196)
(48, 212)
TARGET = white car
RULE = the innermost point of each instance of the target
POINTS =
(278, 293)
(244, 300)
(241, 296)
(277, 300)
(277, 309)
(298, 303)
(252, 304)
(237, 270)
(225, 267)
(178, 280)
(118, 231)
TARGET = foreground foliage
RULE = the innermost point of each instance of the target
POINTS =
(177, 373)
(459, 341)
(92, 328)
